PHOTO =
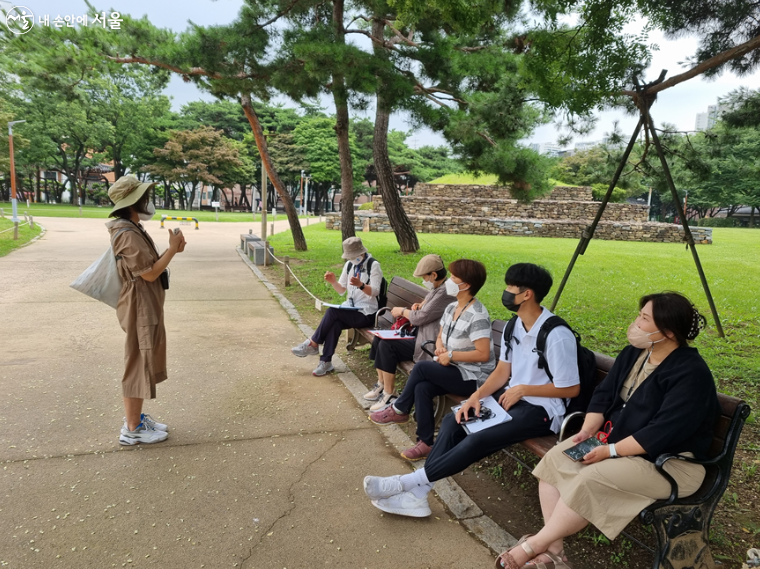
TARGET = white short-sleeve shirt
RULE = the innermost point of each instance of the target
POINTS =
(356, 297)
(561, 354)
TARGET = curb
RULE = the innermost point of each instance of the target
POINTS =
(449, 492)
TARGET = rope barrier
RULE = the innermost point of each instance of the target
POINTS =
(297, 279)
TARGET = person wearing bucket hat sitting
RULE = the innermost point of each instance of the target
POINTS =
(140, 309)
(361, 279)
(425, 317)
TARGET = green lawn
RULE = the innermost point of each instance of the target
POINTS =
(482, 180)
(95, 212)
(600, 299)
(25, 234)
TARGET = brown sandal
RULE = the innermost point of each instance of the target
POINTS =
(557, 561)
(506, 561)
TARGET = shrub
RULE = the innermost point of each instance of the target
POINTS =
(599, 190)
(718, 222)
(366, 206)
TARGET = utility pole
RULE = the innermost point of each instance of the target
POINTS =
(263, 202)
(14, 203)
(301, 204)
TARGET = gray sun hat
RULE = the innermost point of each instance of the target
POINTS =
(428, 264)
(353, 248)
(127, 191)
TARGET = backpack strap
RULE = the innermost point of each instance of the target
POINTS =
(509, 331)
(550, 324)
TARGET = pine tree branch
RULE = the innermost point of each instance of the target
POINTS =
(196, 71)
(715, 61)
(278, 16)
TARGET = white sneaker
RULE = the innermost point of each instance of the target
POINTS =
(305, 349)
(141, 435)
(375, 393)
(150, 422)
(385, 400)
(404, 504)
(377, 487)
(323, 369)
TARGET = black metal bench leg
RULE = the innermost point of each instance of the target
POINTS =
(682, 537)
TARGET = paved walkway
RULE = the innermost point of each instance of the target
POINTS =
(264, 464)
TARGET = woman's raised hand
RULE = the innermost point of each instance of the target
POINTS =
(176, 241)
(330, 277)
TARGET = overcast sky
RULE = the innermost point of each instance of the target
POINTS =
(678, 105)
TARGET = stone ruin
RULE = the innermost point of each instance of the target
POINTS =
(486, 210)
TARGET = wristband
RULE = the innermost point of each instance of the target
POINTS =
(613, 451)
(362, 287)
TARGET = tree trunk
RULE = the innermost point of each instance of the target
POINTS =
(752, 216)
(402, 227)
(299, 240)
(340, 97)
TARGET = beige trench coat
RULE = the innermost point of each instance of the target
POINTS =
(140, 311)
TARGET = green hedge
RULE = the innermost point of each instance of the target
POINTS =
(718, 222)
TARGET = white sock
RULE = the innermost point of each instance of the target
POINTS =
(421, 491)
(414, 479)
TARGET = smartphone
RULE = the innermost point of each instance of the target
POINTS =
(485, 413)
(580, 450)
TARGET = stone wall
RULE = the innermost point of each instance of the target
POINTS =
(566, 193)
(607, 230)
(512, 209)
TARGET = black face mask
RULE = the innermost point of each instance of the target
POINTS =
(508, 300)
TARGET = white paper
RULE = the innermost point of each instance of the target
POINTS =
(328, 305)
(318, 305)
(390, 335)
(499, 416)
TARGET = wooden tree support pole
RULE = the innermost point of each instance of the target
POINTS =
(588, 233)
(286, 266)
(688, 237)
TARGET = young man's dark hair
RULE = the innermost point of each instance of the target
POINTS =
(471, 272)
(528, 275)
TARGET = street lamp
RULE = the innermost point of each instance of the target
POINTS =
(13, 178)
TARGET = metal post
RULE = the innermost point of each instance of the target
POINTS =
(688, 237)
(263, 202)
(588, 233)
(301, 204)
(286, 266)
(14, 205)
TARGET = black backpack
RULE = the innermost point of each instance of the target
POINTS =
(382, 298)
(586, 360)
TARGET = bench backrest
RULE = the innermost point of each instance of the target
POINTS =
(401, 293)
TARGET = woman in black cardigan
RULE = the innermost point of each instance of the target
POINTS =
(659, 397)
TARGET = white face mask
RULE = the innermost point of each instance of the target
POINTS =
(430, 285)
(151, 212)
(358, 260)
(452, 288)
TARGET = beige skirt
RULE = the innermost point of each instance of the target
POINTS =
(611, 493)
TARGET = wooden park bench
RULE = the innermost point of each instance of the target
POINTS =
(681, 524)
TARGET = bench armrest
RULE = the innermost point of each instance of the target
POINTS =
(426, 349)
(378, 313)
(660, 466)
(568, 428)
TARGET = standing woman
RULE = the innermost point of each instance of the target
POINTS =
(140, 309)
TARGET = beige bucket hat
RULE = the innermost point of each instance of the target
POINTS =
(352, 248)
(428, 264)
(127, 191)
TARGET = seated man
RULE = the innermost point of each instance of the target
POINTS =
(535, 402)
(363, 286)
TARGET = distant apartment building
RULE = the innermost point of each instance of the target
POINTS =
(705, 121)
(547, 148)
